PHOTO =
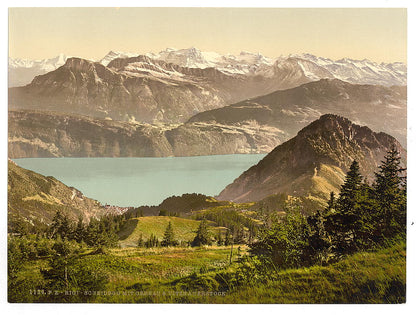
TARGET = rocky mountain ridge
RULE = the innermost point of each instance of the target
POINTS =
(314, 162)
(313, 67)
(22, 71)
(252, 126)
(379, 107)
(47, 134)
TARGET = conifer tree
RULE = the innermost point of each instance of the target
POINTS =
(390, 192)
(152, 241)
(342, 224)
(202, 235)
(331, 203)
(79, 232)
(169, 237)
(140, 242)
(61, 226)
(350, 190)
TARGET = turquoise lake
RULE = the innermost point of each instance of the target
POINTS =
(144, 181)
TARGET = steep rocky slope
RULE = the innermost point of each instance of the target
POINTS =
(36, 198)
(42, 134)
(313, 163)
(90, 88)
(252, 126)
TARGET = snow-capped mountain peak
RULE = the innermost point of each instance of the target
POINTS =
(311, 67)
(354, 71)
(22, 71)
(116, 54)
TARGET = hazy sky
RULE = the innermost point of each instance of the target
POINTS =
(376, 34)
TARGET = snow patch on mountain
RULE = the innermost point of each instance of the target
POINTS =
(22, 71)
(355, 71)
(45, 64)
(114, 55)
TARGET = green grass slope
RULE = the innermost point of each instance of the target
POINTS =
(366, 277)
(184, 229)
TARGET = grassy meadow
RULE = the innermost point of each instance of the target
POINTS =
(205, 275)
(184, 229)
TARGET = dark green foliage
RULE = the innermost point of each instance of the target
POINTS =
(68, 272)
(202, 235)
(241, 225)
(219, 239)
(390, 192)
(362, 217)
(101, 233)
(98, 232)
(240, 236)
(188, 203)
(169, 237)
(197, 283)
(343, 222)
(44, 247)
(20, 250)
(365, 215)
(140, 242)
(320, 245)
(153, 241)
(15, 257)
(228, 238)
(285, 244)
(80, 230)
(61, 226)
(176, 206)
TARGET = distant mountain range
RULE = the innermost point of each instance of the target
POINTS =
(313, 67)
(21, 72)
(252, 126)
(177, 102)
(314, 162)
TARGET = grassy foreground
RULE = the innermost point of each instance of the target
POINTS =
(190, 275)
(367, 277)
